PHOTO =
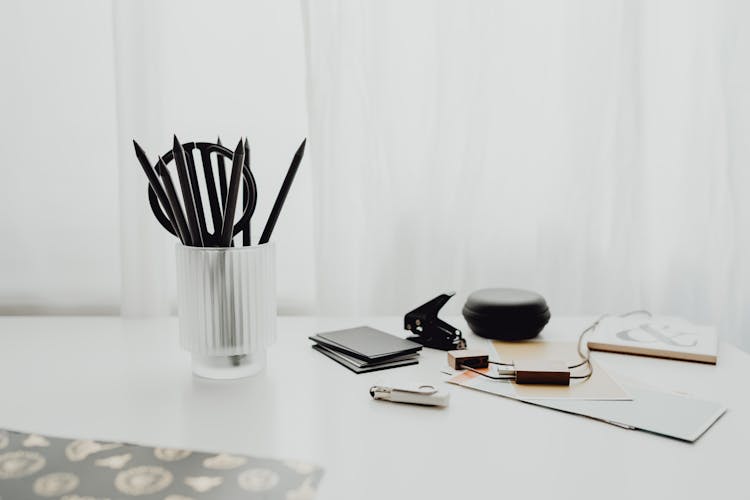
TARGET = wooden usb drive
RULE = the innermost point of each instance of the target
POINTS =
(542, 372)
(472, 359)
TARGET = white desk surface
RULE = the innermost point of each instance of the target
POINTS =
(117, 379)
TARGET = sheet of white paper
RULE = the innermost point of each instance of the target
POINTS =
(663, 413)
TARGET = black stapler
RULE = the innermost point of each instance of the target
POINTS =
(430, 330)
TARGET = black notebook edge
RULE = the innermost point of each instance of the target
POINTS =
(338, 347)
(366, 364)
(381, 366)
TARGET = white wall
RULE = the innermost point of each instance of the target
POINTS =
(60, 195)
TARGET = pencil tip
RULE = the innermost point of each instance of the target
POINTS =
(140, 153)
(177, 147)
(218, 140)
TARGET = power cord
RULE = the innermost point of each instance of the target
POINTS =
(585, 356)
(498, 377)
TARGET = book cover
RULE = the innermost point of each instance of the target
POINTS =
(656, 336)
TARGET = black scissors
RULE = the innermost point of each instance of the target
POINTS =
(216, 204)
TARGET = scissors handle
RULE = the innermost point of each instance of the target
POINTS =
(206, 148)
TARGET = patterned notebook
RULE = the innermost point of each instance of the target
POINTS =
(657, 336)
(35, 466)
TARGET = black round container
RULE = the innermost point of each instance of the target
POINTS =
(506, 313)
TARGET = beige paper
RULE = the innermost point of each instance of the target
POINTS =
(600, 386)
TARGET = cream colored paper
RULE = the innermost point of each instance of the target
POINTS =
(600, 386)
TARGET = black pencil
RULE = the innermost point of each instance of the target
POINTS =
(174, 203)
(197, 197)
(279, 203)
(213, 198)
(246, 198)
(187, 194)
(153, 181)
(222, 176)
(227, 227)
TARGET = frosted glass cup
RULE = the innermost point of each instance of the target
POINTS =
(226, 298)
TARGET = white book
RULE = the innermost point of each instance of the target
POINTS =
(657, 336)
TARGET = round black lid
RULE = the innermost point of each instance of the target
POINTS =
(500, 302)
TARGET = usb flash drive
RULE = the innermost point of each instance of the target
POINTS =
(415, 394)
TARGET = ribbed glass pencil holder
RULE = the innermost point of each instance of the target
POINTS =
(226, 298)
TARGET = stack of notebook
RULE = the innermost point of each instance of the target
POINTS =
(364, 349)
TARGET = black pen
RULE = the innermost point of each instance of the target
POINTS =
(279, 203)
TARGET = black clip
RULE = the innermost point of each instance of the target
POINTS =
(432, 331)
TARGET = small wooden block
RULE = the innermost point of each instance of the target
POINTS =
(542, 372)
(472, 359)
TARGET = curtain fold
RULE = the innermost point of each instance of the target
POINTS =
(592, 151)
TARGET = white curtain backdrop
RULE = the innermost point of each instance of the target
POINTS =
(58, 190)
(201, 69)
(593, 151)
